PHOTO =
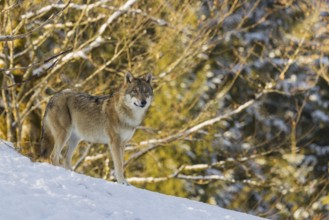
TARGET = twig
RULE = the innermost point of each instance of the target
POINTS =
(198, 167)
(38, 72)
(115, 15)
(97, 40)
(82, 158)
(21, 36)
(4, 142)
(292, 58)
(10, 6)
(63, 6)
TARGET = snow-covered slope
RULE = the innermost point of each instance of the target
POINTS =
(41, 191)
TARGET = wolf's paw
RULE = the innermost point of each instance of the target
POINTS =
(124, 182)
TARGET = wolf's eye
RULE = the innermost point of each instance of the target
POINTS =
(134, 92)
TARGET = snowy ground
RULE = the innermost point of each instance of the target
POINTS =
(41, 191)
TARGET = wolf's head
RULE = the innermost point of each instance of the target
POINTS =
(138, 91)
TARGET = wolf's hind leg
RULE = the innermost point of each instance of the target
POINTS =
(72, 144)
(60, 139)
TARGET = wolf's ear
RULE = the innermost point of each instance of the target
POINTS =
(128, 77)
(148, 78)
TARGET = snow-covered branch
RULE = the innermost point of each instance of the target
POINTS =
(115, 15)
(98, 39)
(21, 36)
(71, 5)
(198, 167)
(82, 53)
(198, 178)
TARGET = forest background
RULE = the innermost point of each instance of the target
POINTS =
(240, 117)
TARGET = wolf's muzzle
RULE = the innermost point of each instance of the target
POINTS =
(142, 104)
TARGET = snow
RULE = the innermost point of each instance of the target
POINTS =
(82, 53)
(115, 15)
(38, 71)
(41, 191)
(319, 115)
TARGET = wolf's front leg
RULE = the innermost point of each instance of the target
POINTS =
(116, 149)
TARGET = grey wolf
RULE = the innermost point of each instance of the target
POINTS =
(71, 117)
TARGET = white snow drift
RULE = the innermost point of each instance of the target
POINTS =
(41, 191)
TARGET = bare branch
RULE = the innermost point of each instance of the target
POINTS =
(115, 15)
(47, 64)
(198, 167)
(157, 142)
(63, 6)
(97, 40)
(21, 36)
(83, 157)
(206, 178)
